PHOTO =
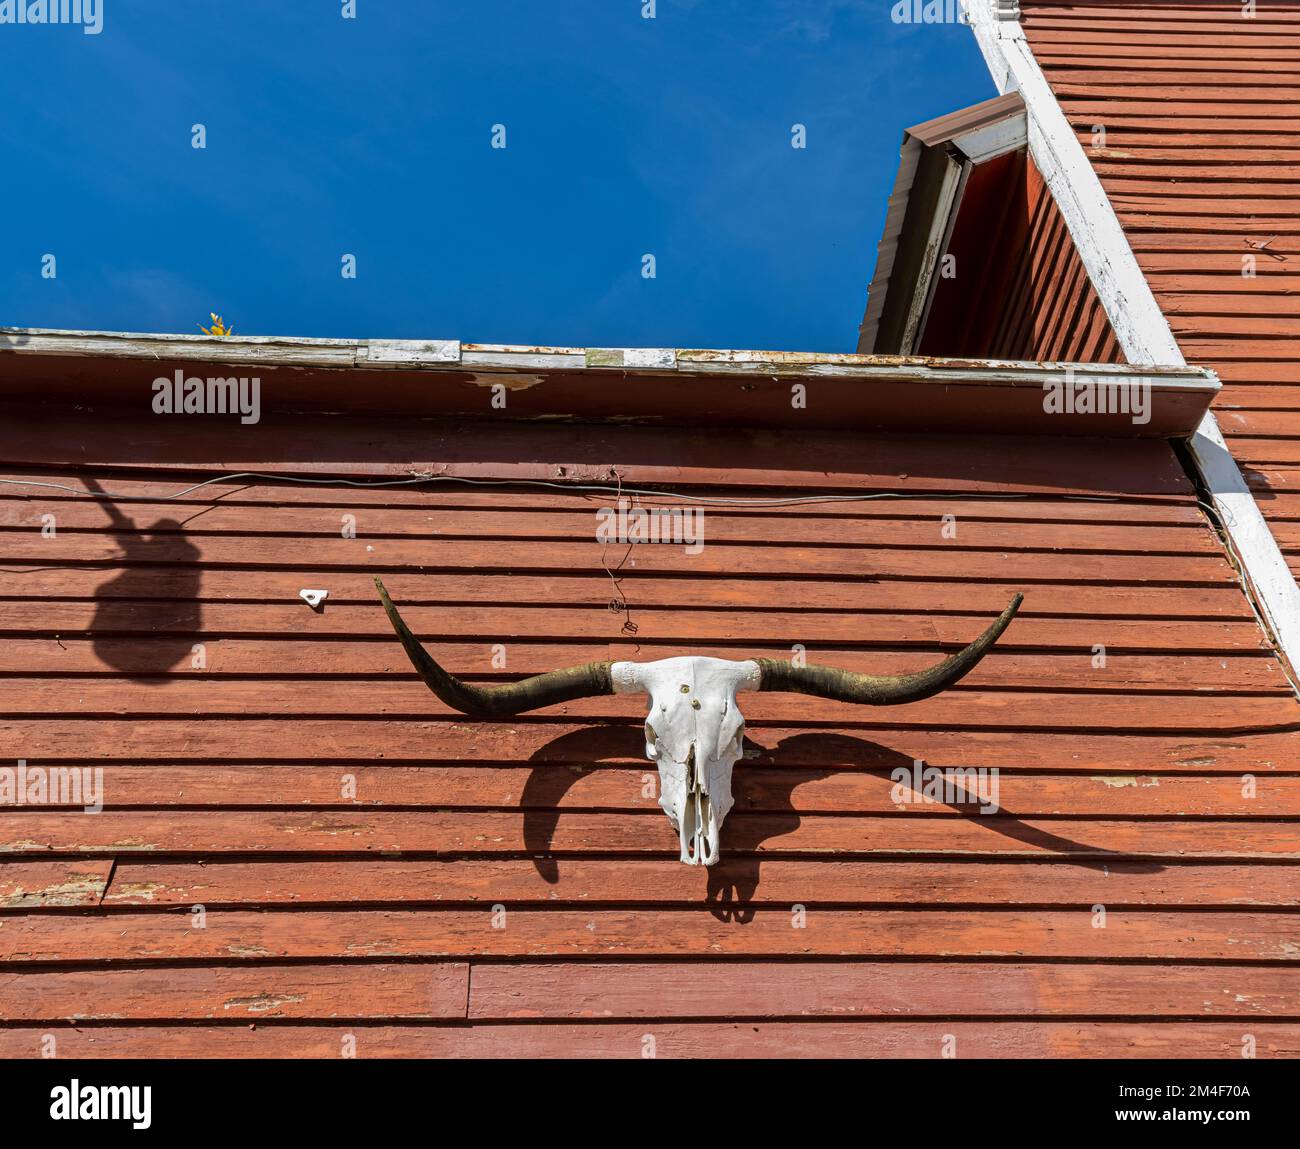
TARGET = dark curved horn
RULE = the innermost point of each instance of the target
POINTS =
(883, 690)
(508, 698)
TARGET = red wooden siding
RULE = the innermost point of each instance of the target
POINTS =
(326, 917)
(1020, 290)
(1202, 163)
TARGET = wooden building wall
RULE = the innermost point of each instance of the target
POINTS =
(1019, 290)
(1201, 160)
(329, 917)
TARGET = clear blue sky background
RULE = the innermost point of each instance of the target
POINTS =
(372, 136)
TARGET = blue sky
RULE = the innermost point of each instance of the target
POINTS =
(372, 136)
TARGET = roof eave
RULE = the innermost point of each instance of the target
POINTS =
(934, 162)
(441, 378)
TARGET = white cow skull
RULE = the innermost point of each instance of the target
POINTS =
(694, 731)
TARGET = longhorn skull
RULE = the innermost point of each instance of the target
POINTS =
(694, 731)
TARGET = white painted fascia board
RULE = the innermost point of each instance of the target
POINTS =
(976, 147)
(1140, 325)
(954, 181)
(454, 358)
(641, 358)
(407, 352)
(994, 140)
(268, 350)
(948, 372)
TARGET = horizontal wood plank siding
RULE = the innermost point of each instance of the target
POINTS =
(1188, 113)
(367, 863)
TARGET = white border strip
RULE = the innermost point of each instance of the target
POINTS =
(1140, 325)
(977, 146)
(954, 183)
(451, 357)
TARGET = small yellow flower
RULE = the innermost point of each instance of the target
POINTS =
(217, 328)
